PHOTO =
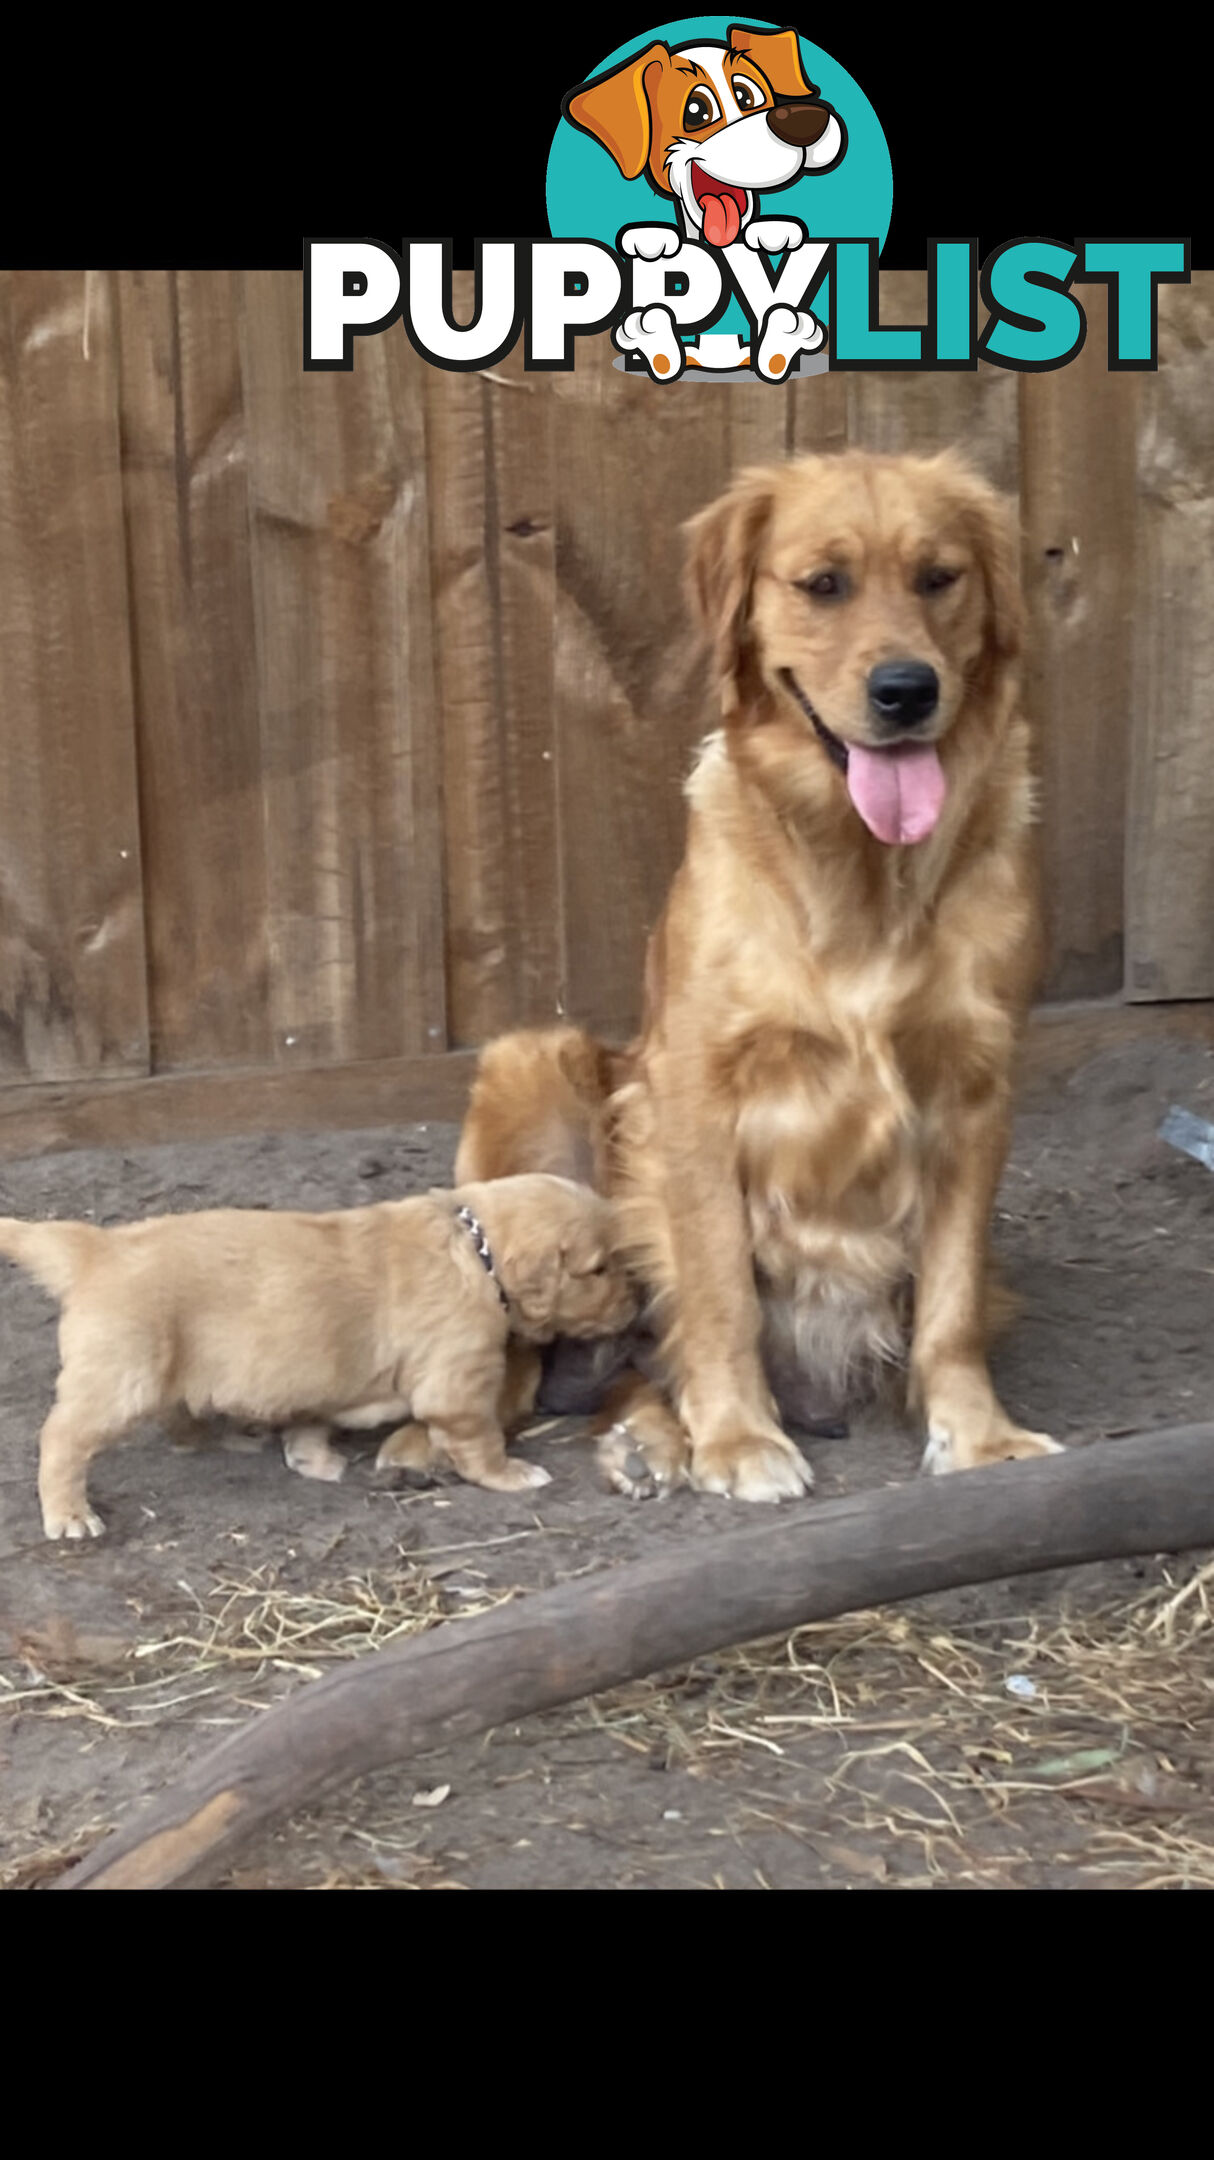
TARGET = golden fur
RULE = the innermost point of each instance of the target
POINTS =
(351, 1319)
(816, 1112)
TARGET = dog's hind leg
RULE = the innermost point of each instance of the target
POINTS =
(536, 1104)
(71, 1436)
(520, 1385)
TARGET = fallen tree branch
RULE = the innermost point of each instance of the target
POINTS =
(1151, 1494)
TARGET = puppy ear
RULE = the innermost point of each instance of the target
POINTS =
(777, 55)
(615, 108)
(723, 544)
(532, 1277)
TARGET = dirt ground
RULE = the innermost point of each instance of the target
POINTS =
(1042, 1732)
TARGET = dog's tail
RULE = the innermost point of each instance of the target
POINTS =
(54, 1253)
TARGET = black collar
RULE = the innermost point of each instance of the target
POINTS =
(465, 1216)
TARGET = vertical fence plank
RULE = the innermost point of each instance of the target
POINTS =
(72, 977)
(1170, 855)
(492, 519)
(927, 410)
(632, 459)
(185, 486)
(1078, 437)
(350, 737)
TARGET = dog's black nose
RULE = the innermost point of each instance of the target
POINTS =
(904, 692)
(800, 122)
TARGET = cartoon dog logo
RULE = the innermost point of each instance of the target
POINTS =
(713, 125)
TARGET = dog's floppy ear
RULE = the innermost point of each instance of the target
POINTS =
(723, 545)
(615, 108)
(532, 1272)
(998, 531)
(777, 54)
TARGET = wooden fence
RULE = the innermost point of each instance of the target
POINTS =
(344, 718)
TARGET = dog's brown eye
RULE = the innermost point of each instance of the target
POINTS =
(700, 110)
(826, 585)
(746, 93)
(937, 579)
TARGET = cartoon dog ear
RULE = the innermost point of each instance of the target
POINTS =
(777, 54)
(615, 108)
(723, 545)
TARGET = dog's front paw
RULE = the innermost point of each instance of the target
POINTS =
(309, 1452)
(408, 1448)
(514, 1475)
(751, 1466)
(72, 1523)
(775, 235)
(644, 1464)
(786, 333)
(650, 242)
(651, 333)
(961, 1446)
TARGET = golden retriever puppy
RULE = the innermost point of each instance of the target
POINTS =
(354, 1318)
(806, 1138)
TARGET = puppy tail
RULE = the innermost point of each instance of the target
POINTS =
(54, 1253)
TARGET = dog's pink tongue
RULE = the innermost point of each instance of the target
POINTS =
(722, 220)
(898, 793)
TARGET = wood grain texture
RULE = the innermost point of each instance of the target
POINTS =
(633, 459)
(1078, 497)
(1170, 852)
(72, 982)
(40, 1119)
(346, 689)
(185, 486)
(1154, 1493)
(206, 1106)
(493, 571)
(930, 410)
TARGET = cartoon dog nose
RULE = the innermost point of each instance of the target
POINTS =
(800, 122)
(903, 692)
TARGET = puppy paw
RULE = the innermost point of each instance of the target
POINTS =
(651, 332)
(650, 242)
(641, 1465)
(309, 1452)
(408, 1448)
(774, 236)
(957, 1448)
(72, 1523)
(515, 1475)
(786, 332)
(751, 1466)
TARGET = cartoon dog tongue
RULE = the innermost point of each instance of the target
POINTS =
(722, 220)
(898, 793)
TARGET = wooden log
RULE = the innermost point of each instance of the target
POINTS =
(1151, 1494)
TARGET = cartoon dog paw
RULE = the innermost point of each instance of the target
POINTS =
(775, 235)
(651, 332)
(786, 332)
(650, 242)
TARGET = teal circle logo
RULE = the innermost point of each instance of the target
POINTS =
(590, 197)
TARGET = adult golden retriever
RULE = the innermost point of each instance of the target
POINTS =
(807, 1135)
(422, 1309)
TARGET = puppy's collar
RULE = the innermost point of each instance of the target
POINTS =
(465, 1216)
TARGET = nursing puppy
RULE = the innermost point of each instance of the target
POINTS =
(806, 1138)
(401, 1310)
